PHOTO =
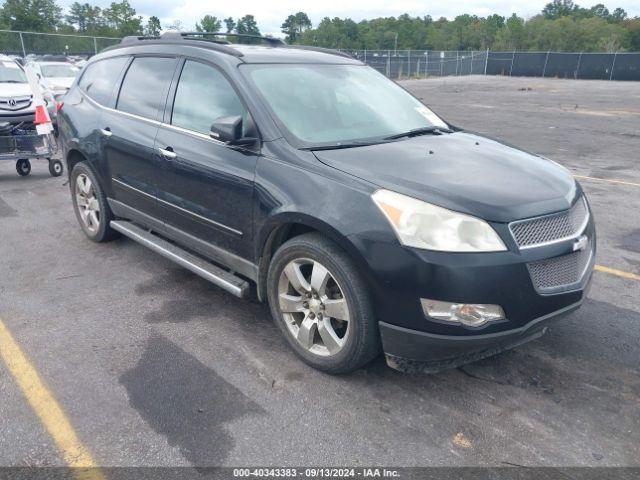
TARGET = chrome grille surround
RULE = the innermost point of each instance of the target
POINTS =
(554, 228)
(15, 103)
(563, 273)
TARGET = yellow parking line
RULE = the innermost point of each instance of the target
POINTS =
(618, 273)
(621, 182)
(46, 408)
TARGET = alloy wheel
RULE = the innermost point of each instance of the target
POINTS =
(87, 203)
(313, 307)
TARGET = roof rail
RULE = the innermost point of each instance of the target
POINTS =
(219, 46)
(190, 35)
(330, 51)
(222, 46)
(134, 39)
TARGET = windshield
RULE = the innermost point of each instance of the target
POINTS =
(56, 71)
(336, 104)
(10, 72)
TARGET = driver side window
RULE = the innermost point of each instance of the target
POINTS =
(202, 96)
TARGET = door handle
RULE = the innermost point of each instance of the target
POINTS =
(167, 152)
(106, 132)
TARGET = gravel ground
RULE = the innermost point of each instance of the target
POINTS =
(154, 366)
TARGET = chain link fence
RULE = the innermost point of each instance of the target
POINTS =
(422, 63)
(26, 43)
(398, 64)
(394, 64)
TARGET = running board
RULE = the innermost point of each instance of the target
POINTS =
(216, 275)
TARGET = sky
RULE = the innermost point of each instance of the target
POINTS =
(271, 14)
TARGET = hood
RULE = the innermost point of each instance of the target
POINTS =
(21, 93)
(8, 90)
(59, 83)
(463, 172)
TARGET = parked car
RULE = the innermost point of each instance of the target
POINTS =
(16, 97)
(365, 220)
(55, 76)
(16, 103)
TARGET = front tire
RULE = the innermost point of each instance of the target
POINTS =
(90, 204)
(322, 305)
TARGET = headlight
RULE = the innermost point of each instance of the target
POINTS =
(423, 225)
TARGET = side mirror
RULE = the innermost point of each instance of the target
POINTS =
(229, 131)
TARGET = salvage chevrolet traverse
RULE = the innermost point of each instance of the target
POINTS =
(367, 222)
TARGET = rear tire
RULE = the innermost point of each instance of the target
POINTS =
(322, 305)
(90, 204)
(23, 167)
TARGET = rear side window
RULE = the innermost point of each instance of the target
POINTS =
(99, 78)
(204, 95)
(145, 85)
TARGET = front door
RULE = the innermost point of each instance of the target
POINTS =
(204, 186)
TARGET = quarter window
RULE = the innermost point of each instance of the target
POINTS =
(145, 86)
(100, 77)
(204, 95)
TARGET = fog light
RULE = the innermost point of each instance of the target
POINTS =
(469, 314)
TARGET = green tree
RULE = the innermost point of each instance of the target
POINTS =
(599, 10)
(122, 18)
(618, 15)
(209, 24)
(77, 16)
(153, 27)
(558, 8)
(230, 24)
(295, 25)
(632, 27)
(31, 15)
(247, 25)
(511, 36)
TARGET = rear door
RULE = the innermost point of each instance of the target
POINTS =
(205, 187)
(130, 129)
(99, 85)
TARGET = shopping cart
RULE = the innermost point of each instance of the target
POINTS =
(22, 143)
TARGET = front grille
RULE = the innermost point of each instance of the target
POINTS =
(551, 228)
(560, 273)
(13, 104)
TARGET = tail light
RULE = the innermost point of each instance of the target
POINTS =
(59, 106)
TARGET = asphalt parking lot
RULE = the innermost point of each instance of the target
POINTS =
(153, 366)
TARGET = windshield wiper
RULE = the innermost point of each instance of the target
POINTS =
(337, 146)
(10, 81)
(420, 131)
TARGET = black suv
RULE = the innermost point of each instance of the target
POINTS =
(365, 220)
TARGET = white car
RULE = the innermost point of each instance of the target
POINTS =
(55, 76)
(16, 97)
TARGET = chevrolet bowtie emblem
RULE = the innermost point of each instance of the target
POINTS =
(580, 243)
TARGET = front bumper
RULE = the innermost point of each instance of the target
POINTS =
(412, 351)
(400, 277)
(17, 117)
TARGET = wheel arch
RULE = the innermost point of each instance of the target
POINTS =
(74, 156)
(286, 226)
